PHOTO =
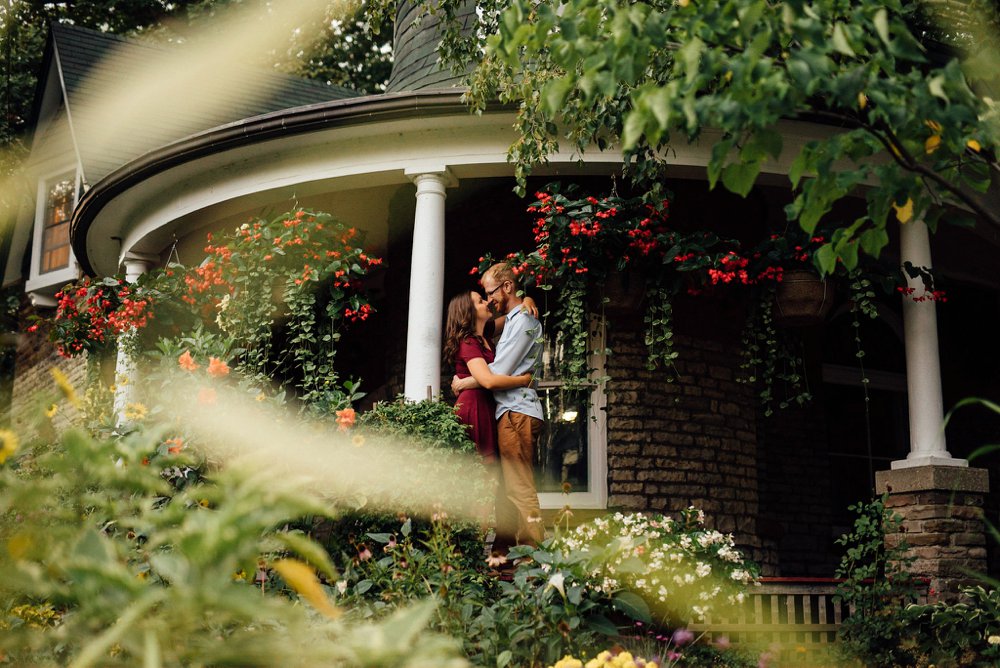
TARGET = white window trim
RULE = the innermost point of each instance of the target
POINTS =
(38, 281)
(597, 452)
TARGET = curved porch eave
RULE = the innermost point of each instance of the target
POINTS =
(141, 206)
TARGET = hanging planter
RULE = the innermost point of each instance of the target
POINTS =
(801, 298)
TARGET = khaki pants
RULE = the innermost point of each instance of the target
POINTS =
(519, 521)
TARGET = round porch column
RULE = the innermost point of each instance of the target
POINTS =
(426, 303)
(923, 364)
(135, 266)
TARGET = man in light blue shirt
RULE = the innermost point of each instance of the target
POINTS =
(519, 412)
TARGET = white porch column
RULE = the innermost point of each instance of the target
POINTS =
(426, 304)
(923, 365)
(135, 266)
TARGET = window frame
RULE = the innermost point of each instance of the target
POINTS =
(595, 498)
(37, 279)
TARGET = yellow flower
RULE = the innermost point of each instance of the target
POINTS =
(974, 145)
(260, 396)
(932, 144)
(136, 412)
(905, 212)
(303, 580)
(62, 382)
(862, 100)
(8, 444)
(934, 126)
(51, 411)
(683, 3)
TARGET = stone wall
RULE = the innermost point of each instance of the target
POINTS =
(942, 512)
(687, 442)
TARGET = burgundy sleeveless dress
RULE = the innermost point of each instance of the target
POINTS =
(477, 408)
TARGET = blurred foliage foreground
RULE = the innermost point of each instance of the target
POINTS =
(261, 538)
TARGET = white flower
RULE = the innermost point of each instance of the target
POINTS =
(993, 640)
(342, 586)
(703, 570)
(556, 581)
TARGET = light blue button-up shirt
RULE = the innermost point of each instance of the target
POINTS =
(519, 350)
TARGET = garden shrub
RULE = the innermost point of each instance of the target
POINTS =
(679, 568)
(952, 634)
(107, 563)
(438, 447)
(877, 585)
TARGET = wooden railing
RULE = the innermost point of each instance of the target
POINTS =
(796, 613)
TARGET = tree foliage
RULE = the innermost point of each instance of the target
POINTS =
(918, 122)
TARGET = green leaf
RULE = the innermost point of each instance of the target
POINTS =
(504, 657)
(602, 624)
(873, 241)
(882, 25)
(690, 55)
(632, 605)
(635, 124)
(719, 153)
(826, 258)
(840, 42)
(555, 94)
(936, 87)
(799, 166)
(404, 626)
(739, 177)
(309, 550)
(659, 104)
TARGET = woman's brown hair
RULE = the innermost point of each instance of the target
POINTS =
(461, 324)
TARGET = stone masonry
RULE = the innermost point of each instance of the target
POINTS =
(942, 511)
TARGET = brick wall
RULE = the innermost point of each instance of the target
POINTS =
(687, 442)
(795, 490)
(34, 359)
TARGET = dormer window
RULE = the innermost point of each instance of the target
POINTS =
(52, 261)
(60, 198)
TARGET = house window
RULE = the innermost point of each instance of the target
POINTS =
(571, 452)
(59, 201)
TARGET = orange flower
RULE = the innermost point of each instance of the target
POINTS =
(217, 367)
(207, 396)
(345, 418)
(187, 362)
(174, 445)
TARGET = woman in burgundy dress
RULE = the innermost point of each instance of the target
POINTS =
(467, 345)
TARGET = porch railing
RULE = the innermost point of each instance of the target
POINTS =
(790, 612)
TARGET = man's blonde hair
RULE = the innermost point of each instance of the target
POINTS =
(501, 272)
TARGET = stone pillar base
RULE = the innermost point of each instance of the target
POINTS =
(942, 511)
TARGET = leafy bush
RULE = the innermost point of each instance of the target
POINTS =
(679, 568)
(877, 585)
(948, 635)
(106, 563)
(433, 423)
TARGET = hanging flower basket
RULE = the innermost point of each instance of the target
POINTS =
(801, 298)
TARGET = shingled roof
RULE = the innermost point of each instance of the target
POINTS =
(80, 53)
